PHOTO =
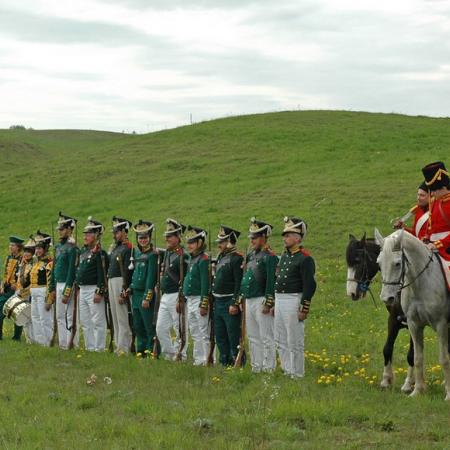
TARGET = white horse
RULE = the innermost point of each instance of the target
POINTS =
(407, 264)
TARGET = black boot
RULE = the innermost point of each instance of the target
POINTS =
(17, 333)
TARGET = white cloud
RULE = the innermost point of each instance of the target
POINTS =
(124, 65)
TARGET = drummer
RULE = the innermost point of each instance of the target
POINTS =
(9, 280)
(41, 316)
(24, 281)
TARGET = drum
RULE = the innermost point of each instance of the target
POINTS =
(18, 310)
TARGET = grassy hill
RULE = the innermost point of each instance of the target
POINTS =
(341, 171)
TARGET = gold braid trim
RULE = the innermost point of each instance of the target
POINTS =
(437, 176)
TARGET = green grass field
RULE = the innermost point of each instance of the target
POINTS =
(341, 171)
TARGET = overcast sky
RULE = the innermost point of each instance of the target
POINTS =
(148, 64)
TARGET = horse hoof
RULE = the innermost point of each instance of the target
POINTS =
(386, 384)
(416, 392)
(447, 397)
(407, 388)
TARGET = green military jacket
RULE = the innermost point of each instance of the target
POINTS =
(259, 276)
(171, 270)
(145, 272)
(296, 274)
(228, 275)
(64, 266)
(90, 270)
(196, 281)
(119, 260)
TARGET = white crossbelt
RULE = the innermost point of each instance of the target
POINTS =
(439, 236)
(420, 223)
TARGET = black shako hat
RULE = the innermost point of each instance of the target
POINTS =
(436, 175)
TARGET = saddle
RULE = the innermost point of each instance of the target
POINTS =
(445, 266)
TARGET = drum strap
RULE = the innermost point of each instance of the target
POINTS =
(14, 307)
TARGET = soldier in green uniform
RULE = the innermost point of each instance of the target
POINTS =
(258, 297)
(142, 288)
(9, 280)
(294, 288)
(90, 277)
(173, 270)
(119, 280)
(226, 288)
(196, 289)
(63, 278)
(24, 280)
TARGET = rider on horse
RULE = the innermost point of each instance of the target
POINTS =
(438, 232)
(421, 214)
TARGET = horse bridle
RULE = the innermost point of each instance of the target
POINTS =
(401, 279)
(364, 282)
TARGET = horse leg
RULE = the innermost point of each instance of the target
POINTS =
(417, 337)
(388, 350)
(408, 385)
(444, 360)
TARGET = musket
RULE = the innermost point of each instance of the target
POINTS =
(128, 303)
(182, 314)
(212, 336)
(55, 320)
(108, 313)
(156, 345)
(240, 358)
(73, 328)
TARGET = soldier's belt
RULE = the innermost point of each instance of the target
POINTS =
(223, 295)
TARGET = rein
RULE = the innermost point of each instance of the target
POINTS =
(401, 280)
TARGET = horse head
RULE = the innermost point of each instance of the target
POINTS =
(361, 256)
(391, 264)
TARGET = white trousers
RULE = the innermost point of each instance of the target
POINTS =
(290, 334)
(198, 327)
(42, 319)
(92, 320)
(260, 334)
(168, 319)
(122, 331)
(61, 308)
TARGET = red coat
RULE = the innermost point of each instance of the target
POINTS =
(439, 225)
(420, 224)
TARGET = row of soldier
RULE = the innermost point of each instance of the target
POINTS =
(147, 295)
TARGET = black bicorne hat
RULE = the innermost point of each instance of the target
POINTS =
(195, 233)
(42, 239)
(227, 234)
(143, 228)
(120, 224)
(65, 221)
(93, 226)
(174, 228)
(259, 228)
(295, 225)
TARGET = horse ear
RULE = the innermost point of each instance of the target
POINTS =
(379, 239)
(351, 237)
(363, 239)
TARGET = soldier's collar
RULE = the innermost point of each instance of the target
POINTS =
(229, 250)
(295, 249)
